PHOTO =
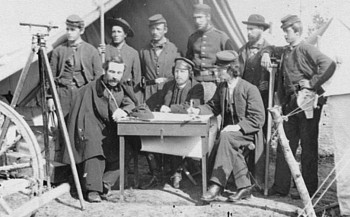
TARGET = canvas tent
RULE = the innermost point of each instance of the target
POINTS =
(17, 41)
(333, 39)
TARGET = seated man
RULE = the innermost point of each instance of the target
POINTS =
(243, 116)
(177, 95)
(92, 129)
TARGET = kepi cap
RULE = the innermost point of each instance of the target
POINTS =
(202, 9)
(226, 57)
(186, 61)
(156, 19)
(125, 25)
(289, 20)
(257, 20)
(75, 21)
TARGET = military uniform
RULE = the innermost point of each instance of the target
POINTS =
(129, 56)
(202, 48)
(74, 66)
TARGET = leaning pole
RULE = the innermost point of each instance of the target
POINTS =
(292, 163)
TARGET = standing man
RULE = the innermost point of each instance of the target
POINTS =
(92, 129)
(74, 64)
(157, 59)
(303, 70)
(243, 116)
(202, 47)
(119, 49)
(250, 56)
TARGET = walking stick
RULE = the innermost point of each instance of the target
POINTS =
(272, 71)
(102, 30)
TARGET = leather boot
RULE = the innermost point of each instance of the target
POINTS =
(212, 193)
(243, 193)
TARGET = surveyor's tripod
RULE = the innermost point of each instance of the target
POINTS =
(46, 83)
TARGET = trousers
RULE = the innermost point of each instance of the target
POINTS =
(299, 129)
(229, 160)
(97, 171)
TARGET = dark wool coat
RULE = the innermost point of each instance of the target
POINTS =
(250, 113)
(92, 131)
(155, 67)
(193, 90)
(89, 58)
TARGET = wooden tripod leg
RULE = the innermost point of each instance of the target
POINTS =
(62, 125)
(44, 111)
(17, 93)
(292, 163)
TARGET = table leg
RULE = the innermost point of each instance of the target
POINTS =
(121, 165)
(204, 163)
(136, 170)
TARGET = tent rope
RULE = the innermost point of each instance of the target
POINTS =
(345, 156)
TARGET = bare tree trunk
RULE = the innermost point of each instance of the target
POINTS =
(292, 163)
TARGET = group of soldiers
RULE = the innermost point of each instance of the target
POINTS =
(212, 78)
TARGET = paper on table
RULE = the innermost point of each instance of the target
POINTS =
(190, 146)
(160, 116)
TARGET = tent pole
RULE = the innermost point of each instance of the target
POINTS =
(102, 29)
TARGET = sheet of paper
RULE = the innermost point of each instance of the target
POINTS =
(189, 146)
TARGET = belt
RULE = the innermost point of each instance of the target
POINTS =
(206, 75)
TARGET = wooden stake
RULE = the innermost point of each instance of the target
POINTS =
(292, 163)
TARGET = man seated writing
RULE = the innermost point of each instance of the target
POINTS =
(92, 129)
(243, 116)
(177, 95)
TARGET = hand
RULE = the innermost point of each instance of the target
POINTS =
(118, 114)
(194, 111)
(101, 49)
(304, 84)
(160, 80)
(51, 105)
(165, 109)
(232, 128)
(263, 85)
(266, 61)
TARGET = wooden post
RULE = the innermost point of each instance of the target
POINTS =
(292, 163)
(102, 29)
(269, 126)
(37, 202)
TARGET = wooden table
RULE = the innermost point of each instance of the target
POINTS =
(196, 127)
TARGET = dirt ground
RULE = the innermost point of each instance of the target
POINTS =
(163, 200)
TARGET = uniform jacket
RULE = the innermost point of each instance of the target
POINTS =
(155, 67)
(89, 58)
(307, 59)
(92, 131)
(252, 73)
(249, 111)
(203, 46)
(193, 90)
(131, 59)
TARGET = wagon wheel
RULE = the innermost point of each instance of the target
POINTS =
(21, 163)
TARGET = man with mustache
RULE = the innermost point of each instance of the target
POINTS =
(250, 55)
(119, 48)
(157, 59)
(92, 129)
(74, 64)
(202, 47)
(241, 108)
